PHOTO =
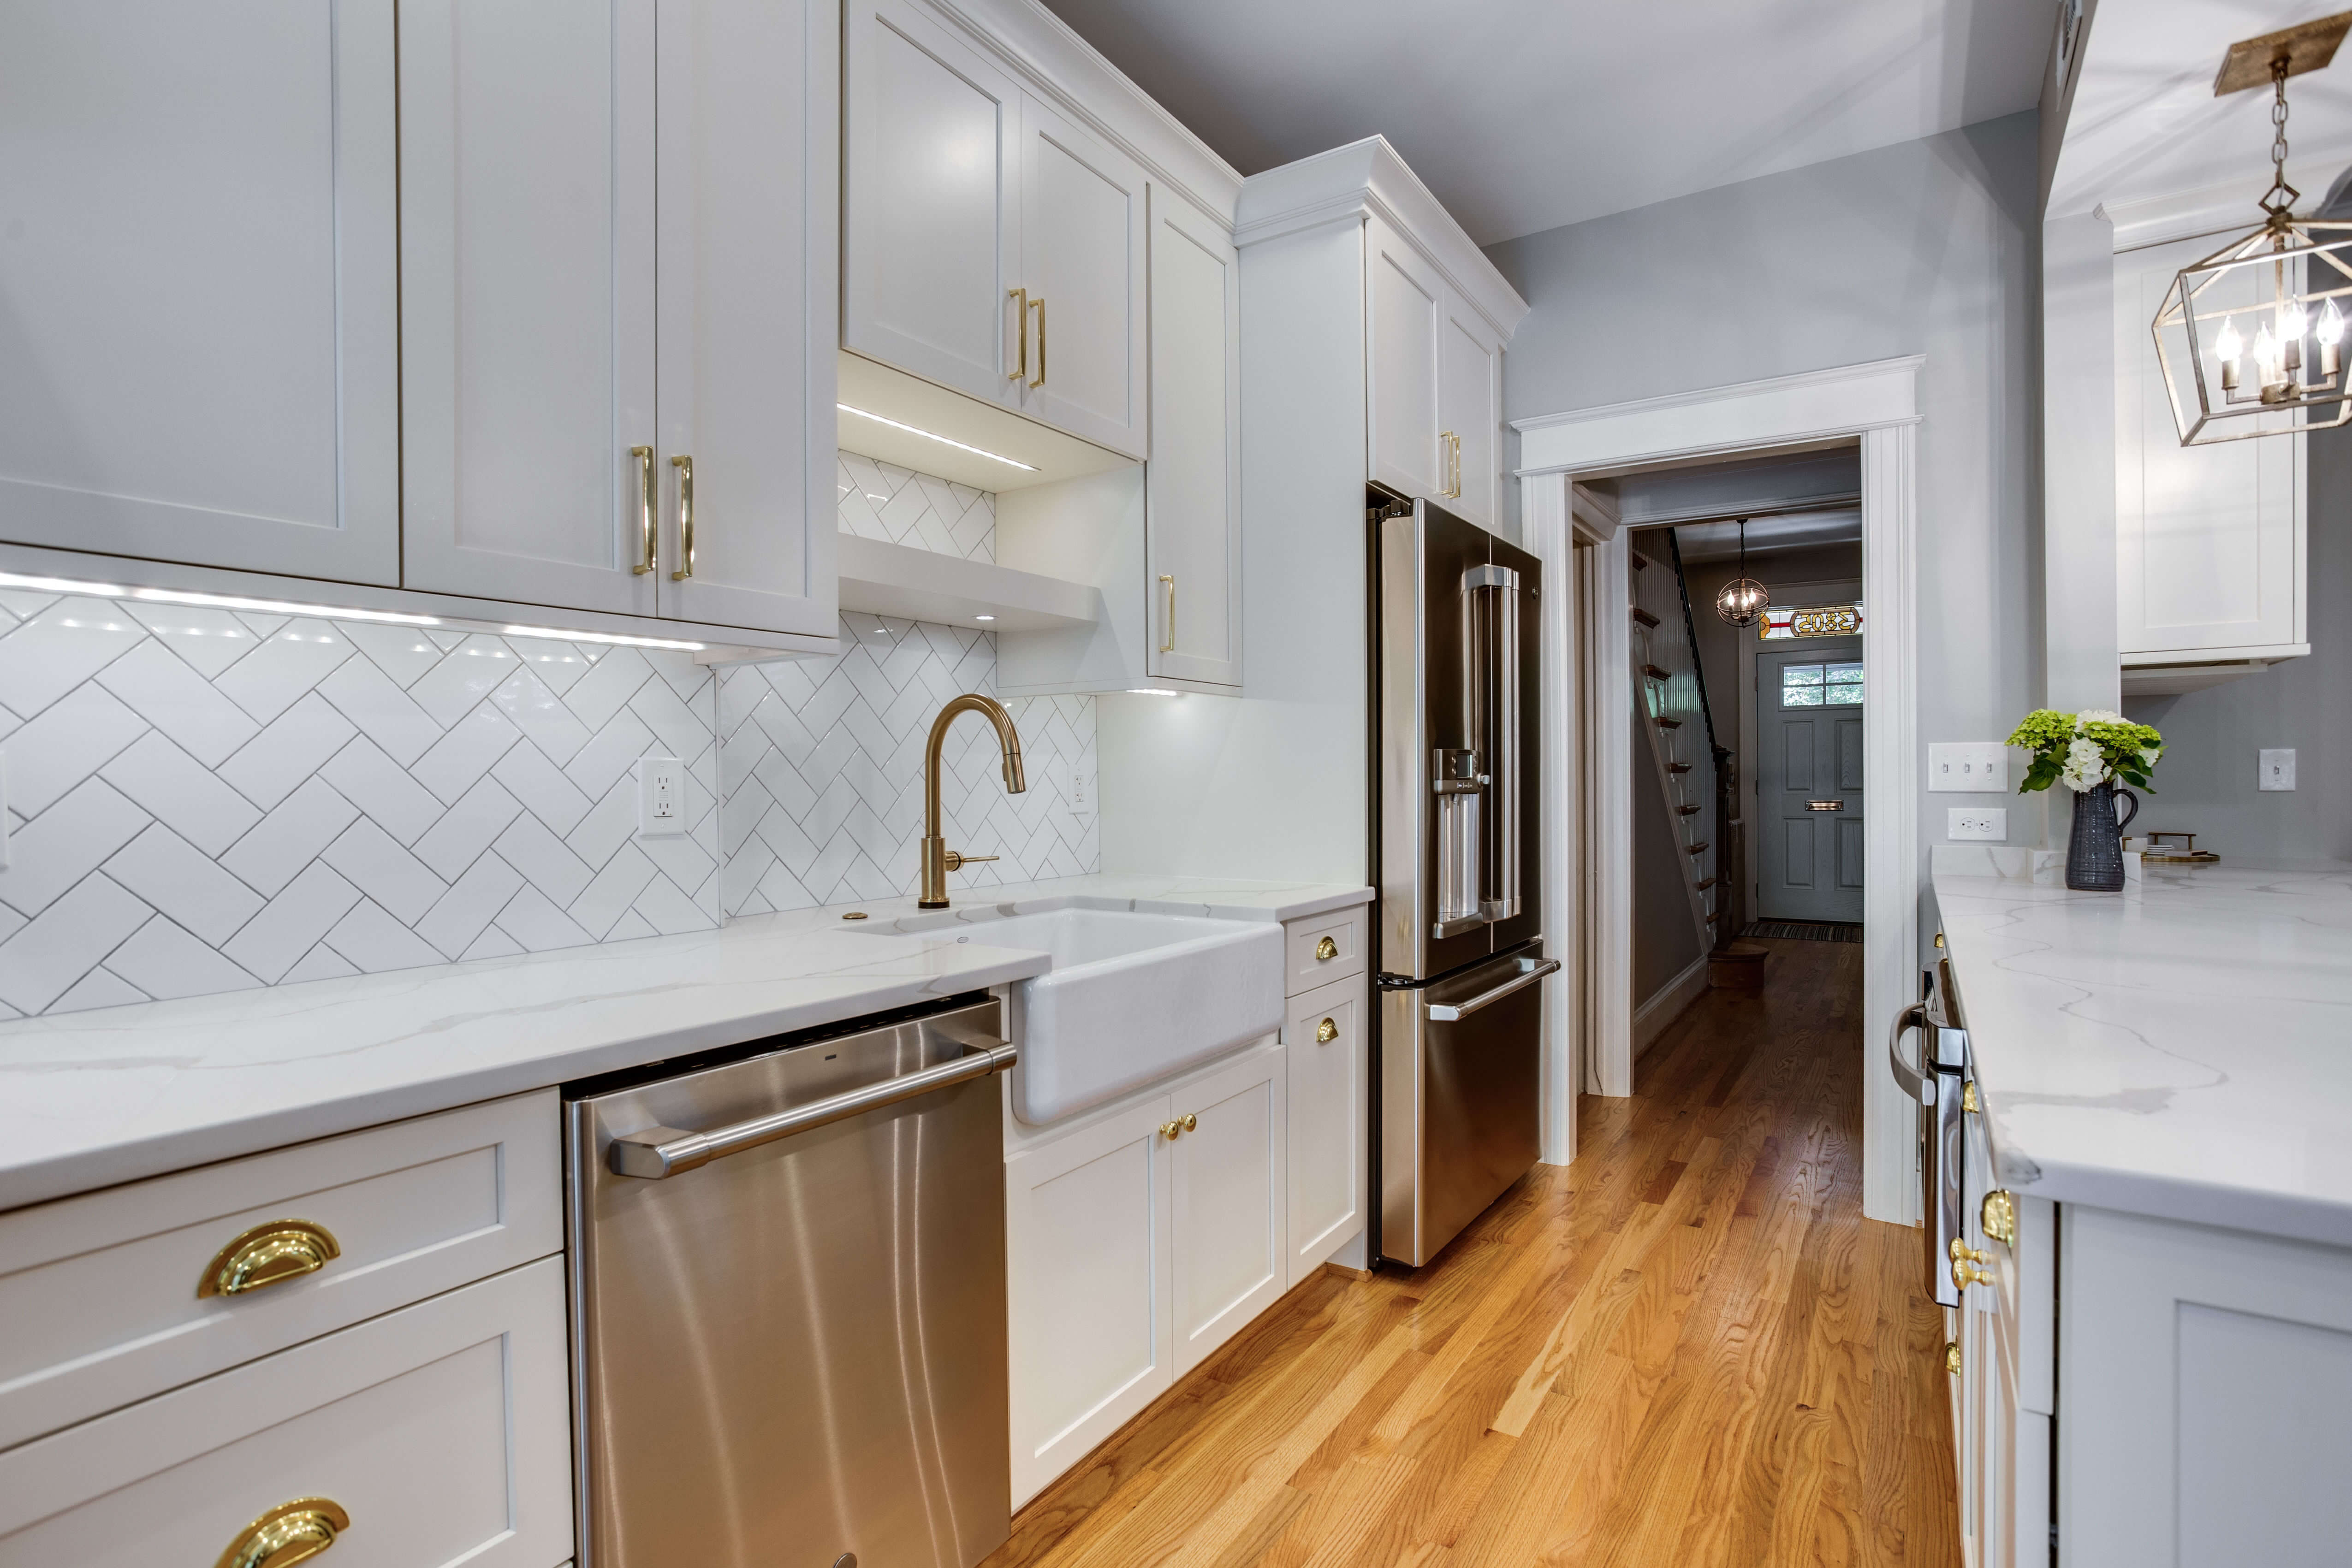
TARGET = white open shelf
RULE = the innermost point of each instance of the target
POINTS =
(925, 585)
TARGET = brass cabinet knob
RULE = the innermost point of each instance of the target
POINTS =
(1172, 1129)
(1999, 1214)
(1326, 950)
(1326, 1032)
(268, 1255)
(1952, 1357)
(1963, 1275)
(1961, 1249)
(1192, 1123)
(289, 1534)
(1968, 1097)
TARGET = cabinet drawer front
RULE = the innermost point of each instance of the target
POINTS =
(1309, 965)
(100, 1291)
(440, 1431)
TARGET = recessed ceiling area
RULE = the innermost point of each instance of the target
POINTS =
(1719, 540)
(1524, 115)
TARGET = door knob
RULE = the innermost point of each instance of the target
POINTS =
(1172, 1130)
(1963, 1252)
(1964, 1275)
(1192, 1123)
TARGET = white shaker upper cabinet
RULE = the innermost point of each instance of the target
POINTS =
(1192, 530)
(749, 144)
(1403, 301)
(1082, 268)
(2209, 539)
(199, 283)
(932, 214)
(1469, 410)
(528, 324)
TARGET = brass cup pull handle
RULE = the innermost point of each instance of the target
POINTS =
(1968, 1097)
(1326, 1032)
(268, 1255)
(289, 1534)
(684, 463)
(1192, 1123)
(644, 456)
(1998, 1213)
(1326, 950)
(1039, 304)
(1964, 1274)
(1020, 298)
(1167, 627)
(1952, 1357)
(1172, 1130)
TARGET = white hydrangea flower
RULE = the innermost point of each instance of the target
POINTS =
(2087, 767)
(2098, 716)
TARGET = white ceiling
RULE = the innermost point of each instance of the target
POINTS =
(2145, 124)
(1523, 115)
(1767, 536)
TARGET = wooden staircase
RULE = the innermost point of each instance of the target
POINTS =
(1672, 692)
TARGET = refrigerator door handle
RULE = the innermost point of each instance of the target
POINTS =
(1530, 971)
(1494, 673)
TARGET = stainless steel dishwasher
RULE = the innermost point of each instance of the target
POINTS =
(788, 1301)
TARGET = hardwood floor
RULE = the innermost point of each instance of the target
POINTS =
(1686, 1349)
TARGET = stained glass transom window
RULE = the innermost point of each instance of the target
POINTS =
(1779, 625)
(1821, 685)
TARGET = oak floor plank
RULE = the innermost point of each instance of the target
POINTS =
(1687, 1349)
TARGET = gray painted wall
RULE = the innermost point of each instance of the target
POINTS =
(1927, 247)
(2206, 782)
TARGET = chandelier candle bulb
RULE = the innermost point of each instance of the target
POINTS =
(2330, 333)
(2228, 346)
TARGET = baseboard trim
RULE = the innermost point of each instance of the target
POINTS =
(1652, 1017)
(1345, 1272)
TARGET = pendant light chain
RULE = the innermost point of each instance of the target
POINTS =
(1743, 599)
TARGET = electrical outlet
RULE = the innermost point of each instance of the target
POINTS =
(1977, 822)
(2277, 770)
(1974, 765)
(1082, 790)
(661, 796)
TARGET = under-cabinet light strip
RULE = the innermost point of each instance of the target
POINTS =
(326, 611)
(944, 440)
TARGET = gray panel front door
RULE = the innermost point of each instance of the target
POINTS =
(1809, 702)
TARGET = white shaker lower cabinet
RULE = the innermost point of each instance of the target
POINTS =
(619, 317)
(1135, 1246)
(1323, 1037)
(202, 273)
(2002, 1394)
(2207, 1382)
(437, 1434)
(1192, 504)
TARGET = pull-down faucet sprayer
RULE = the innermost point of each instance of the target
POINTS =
(938, 858)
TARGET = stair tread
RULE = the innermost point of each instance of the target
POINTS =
(1644, 616)
(1678, 767)
(1656, 674)
(1640, 561)
(1687, 811)
(1697, 849)
(1670, 723)
(1702, 888)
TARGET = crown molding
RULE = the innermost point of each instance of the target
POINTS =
(1781, 411)
(1368, 178)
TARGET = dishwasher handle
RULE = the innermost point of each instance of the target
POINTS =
(1529, 973)
(658, 1152)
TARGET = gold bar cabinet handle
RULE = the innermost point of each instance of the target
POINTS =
(1168, 628)
(1040, 303)
(289, 1534)
(1445, 461)
(645, 532)
(684, 463)
(1020, 298)
(268, 1254)
(1457, 467)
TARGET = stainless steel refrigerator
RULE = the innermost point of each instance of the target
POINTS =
(1460, 929)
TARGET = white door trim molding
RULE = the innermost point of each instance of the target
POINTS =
(1546, 530)
(1877, 405)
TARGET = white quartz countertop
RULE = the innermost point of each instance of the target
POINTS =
(2182, 1049)
(91, 1099)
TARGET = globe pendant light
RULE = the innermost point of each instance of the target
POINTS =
(1743, 599)
(2250, 338)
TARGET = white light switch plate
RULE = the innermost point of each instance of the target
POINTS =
(1968, 764)
(2277, 770)
(661, 796)
(1977, 822)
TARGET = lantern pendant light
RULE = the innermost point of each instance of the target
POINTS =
(1743, 599)
(2283, 371)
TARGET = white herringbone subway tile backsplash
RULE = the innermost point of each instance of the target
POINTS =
(201, 801)
(822, 766)
(898, 506)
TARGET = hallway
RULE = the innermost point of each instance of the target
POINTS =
(1686, 1350)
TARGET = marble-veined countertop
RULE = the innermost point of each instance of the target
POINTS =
(91, 1099)
(2182, 1049)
